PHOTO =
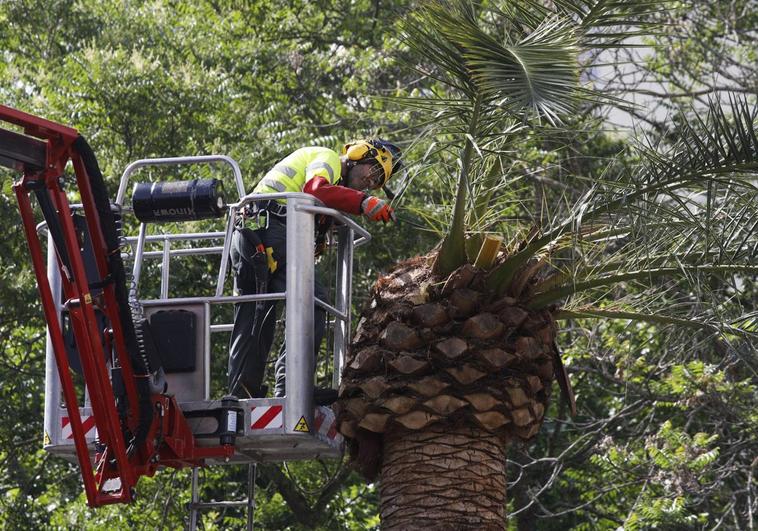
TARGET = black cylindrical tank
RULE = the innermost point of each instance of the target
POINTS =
(178, 200)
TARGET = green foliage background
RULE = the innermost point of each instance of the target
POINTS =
(664, 438)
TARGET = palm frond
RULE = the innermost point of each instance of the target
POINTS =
(529, 69)
(499, 66)
(611, 22)
(539, 72)
(716, 156)
(672, 242)
(546, 298)
(743, 328)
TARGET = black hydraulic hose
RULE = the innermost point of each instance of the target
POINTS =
(118, 274)
(54, 227)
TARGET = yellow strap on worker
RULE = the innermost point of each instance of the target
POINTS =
(272, 264)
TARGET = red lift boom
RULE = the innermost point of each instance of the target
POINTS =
(137, 429)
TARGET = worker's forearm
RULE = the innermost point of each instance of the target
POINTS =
(335, 196)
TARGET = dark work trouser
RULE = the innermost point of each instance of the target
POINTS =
(248, 353)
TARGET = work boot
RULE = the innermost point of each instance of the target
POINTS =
(324, 396)
(321, 396)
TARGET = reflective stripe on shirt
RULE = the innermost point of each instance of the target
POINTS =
(320, 164)
(273, 183)
(286, 170)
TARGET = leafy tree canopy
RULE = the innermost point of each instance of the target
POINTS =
(665, 434)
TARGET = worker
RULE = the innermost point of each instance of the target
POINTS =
(339, 182)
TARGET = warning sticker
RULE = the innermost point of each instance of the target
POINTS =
(302, 425)
(46, 441)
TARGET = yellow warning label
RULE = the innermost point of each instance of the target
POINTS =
(46, 441)
(87, 298)
(302, 425)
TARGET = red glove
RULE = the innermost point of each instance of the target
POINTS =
(377, 209)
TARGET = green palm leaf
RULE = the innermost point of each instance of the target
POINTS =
(522, 69)
(668, 241)
(715, 156)
(502, 65)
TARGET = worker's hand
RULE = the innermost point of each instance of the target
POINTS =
(377, 209)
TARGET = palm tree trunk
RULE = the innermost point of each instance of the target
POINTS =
(443, 479)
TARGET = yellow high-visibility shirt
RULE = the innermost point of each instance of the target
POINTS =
(291, 173)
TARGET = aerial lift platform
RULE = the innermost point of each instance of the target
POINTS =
(148, 407)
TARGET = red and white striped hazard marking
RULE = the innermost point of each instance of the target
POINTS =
(266, 417)
(327, 429)
(88, 423)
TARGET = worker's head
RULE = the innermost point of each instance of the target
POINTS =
(370, 163)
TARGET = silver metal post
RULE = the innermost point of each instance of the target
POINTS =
(165, 268)
(207, 350)
(137, 267)
(193, 501)
(342, 300)
(300, 366)
(225, 253)
(52, 424)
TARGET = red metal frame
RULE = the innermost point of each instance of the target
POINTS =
(170, 441)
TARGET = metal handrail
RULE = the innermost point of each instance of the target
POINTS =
(196, 251)
(314, 209)
(168, 161)
(364, 234)
(301, 209)
(179, 237)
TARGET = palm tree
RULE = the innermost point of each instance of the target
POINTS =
(457, 353)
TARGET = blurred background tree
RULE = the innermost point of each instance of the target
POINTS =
(664, 437)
